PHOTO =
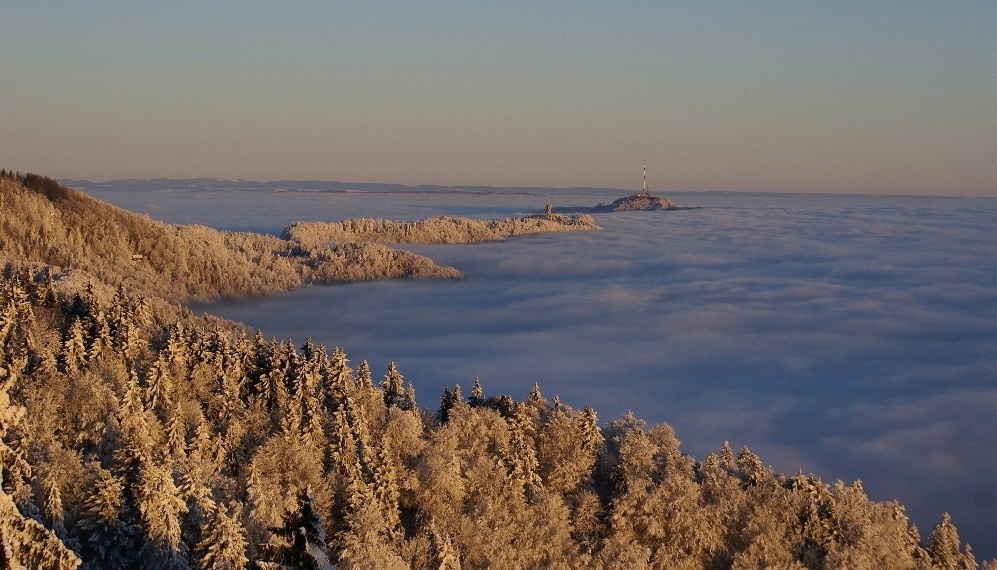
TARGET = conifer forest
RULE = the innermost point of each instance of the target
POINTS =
(134, 434)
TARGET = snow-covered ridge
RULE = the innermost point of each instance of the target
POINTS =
(639, 202)
(632, 203)
(441, 229)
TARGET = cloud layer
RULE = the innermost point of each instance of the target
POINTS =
(850, 336)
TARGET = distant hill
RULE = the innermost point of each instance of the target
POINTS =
(47, 222)
(632, 203)
(638, 203)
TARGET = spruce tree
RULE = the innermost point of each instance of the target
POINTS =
(408, 402)
(943, 547)
(477, 394)
(521, 457)
(23, 542)
(447, 555)
(392, 385)
(160, 506)
(339, 380)
(74, 355)
(223, 544)
(303, 531)
(14, 469)
(176, 435)
(107, 538)
(446, 404)
(55, 514)
(364, 380)
(535, 399)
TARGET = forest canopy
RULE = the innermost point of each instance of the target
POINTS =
(134, 434)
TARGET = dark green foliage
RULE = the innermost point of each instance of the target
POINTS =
(47, 187)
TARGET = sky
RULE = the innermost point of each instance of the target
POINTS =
(852, 97)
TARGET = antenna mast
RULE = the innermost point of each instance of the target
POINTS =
(645, 191)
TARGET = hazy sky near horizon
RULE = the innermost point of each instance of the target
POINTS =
(880, 97)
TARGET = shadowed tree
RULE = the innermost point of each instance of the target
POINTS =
(160, 506)
(943, 547)
(223, 545)
(302, 530)
(394, 394)
(108, 540)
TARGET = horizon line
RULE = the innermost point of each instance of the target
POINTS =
(70, 181)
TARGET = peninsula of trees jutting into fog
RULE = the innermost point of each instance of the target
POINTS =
(136, 435)
(442, 229)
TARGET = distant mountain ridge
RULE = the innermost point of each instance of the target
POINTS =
(312, 186)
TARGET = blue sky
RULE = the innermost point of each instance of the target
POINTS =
(882, 97)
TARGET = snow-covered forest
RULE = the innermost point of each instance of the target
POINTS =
(45, 222)
(136, 435)
(443, 229)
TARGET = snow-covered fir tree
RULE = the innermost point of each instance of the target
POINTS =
(223, 545)
(143, 436)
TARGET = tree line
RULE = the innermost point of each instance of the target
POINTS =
(440, 229)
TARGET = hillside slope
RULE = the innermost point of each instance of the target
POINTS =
(48, 223)
(137, 443)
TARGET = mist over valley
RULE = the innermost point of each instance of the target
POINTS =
(849, 336)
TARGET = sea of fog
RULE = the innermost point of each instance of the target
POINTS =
(854, 337)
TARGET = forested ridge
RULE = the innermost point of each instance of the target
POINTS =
(46, 222)
(440, 229)
(136, 435)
